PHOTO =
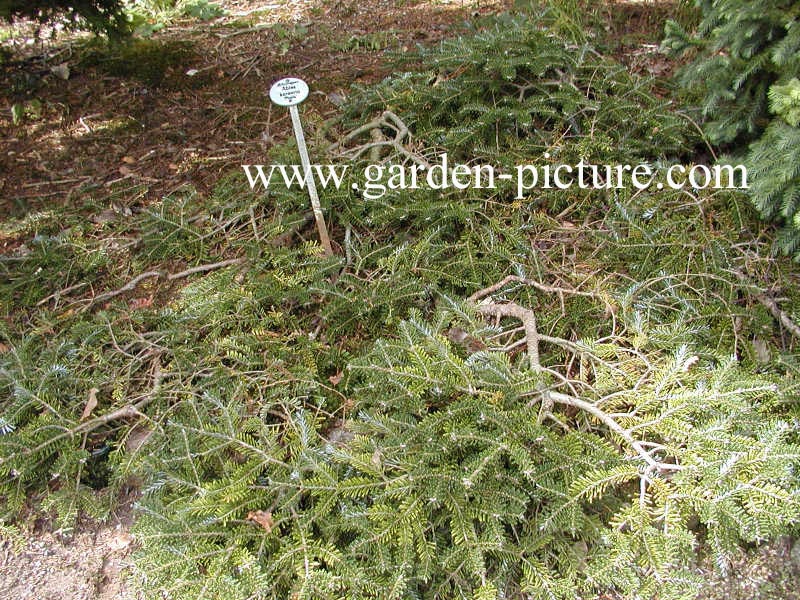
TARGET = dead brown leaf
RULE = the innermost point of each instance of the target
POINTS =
(121, 540)
(263, 518)
(138, 303)
(91, 404)
(137, 438)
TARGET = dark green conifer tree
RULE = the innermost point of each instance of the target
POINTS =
(745, 70)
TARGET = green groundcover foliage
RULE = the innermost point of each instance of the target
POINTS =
(478, 396)
(746, 69)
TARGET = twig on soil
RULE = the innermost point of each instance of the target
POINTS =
(133, 283)
(127, 287)
(59, 182)
(204, 268)
(59, 293)
(253, 29)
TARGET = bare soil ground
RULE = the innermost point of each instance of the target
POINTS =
(117, 129)
(86, 566)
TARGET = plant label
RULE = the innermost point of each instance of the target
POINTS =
(289, 91)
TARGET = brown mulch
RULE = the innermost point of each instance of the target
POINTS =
(103, 137)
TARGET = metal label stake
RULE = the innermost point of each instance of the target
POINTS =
(290, 92)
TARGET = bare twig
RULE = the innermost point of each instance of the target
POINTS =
(253, 29)
(133, 283)
(612, 424)
(59, 293)
(204, 268)
(389, 120)
(127, 287)
(511, 309)
(487, 307)
(781, 315)
(528, 319)
(532, 283)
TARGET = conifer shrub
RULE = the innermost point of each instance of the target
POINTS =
(744, 69)
(451, 457)
(477, 397)
(514, 90)
(514, 93)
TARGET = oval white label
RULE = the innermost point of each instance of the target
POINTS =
(288, 91)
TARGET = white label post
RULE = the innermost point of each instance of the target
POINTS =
(290, 92)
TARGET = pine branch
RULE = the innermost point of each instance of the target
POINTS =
(388, 120)
(781, 315)
(532, 283)
(510, 309)
(124, 412)
(532, 338)
(126, 288)
(528, 318)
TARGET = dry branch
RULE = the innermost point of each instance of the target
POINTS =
(772, 306)
(781, 315)
(133, 283)
(612, 424)
(125, 412)
(528, 319)
(387, 120)
(534, 284)
(487, 307)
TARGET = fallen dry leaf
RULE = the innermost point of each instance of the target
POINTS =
(138, 303)
(263, 518)
(61, 71)
(106, 216)
(91, 403)
(137, 438)
(335, 379)
(120, 541)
